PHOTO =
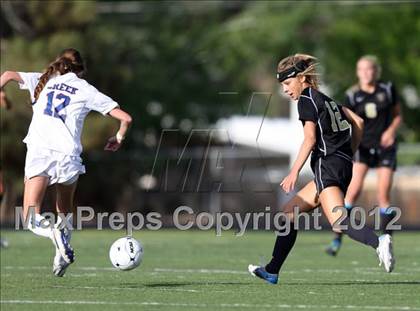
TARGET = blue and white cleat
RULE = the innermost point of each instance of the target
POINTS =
(59, 264)
(260, 272)
(61, 242)
(385, 253)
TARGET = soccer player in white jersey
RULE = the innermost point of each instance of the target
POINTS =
(61, 100)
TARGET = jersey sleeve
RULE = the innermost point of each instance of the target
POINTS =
(349, 99)
(394, 95)
(347, 102)
(307, 110)
(29, 81)
(100, 102)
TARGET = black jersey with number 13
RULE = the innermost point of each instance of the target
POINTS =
(333, 129)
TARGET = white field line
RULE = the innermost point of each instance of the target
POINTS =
(210, 306)
(363, 270)
(49, 268)
(127, 288)
(84, 275)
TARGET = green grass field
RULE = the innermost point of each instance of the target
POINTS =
(196, 270)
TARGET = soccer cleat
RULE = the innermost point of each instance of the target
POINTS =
(61, 242)
(260, 272)
(59, 264)
(385, 254)
(334, 247)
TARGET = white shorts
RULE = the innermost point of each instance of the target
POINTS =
(59, 167)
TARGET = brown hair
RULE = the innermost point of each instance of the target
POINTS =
(69, 60)
(310, 72)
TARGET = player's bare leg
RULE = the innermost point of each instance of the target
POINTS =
(331, 197)
(353, 192)
(306, 199)
(385, 177)
(65, 197)
(33, 196)
(359, 173)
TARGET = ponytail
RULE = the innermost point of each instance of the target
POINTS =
(69, 60)
(62, 66)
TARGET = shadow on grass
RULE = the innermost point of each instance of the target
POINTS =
(181, 284)
(309, 283)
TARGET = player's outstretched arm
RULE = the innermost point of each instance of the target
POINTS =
(357, 128)
(6, 77)
(9, 76)
(114, 143)
(309, 140)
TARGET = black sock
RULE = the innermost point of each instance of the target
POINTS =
(385, 219)
(338, 236)
(282, 247)
(365, 235)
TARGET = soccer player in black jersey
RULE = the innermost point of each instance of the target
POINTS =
(377, 103)
(331, 134)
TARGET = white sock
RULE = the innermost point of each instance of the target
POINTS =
(41, 226)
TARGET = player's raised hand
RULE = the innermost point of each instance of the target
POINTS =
(288, 183)
(113, 144)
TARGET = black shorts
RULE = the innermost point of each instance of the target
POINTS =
(332, 170)
(377, 157)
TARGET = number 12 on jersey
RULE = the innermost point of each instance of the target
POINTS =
(50, 106)
(337, 122)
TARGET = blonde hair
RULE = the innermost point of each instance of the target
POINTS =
(310, 72)
(373, 59)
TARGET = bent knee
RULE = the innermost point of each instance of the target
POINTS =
(290, 216)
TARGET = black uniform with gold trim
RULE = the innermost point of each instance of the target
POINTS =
(376, 109)
(331, 159)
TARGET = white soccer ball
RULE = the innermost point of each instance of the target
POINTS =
(126, 253)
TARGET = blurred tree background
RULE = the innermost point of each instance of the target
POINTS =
(167, 63)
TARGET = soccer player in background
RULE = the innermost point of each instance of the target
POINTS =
(331, 134)
(61, 100)
(377, 103)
